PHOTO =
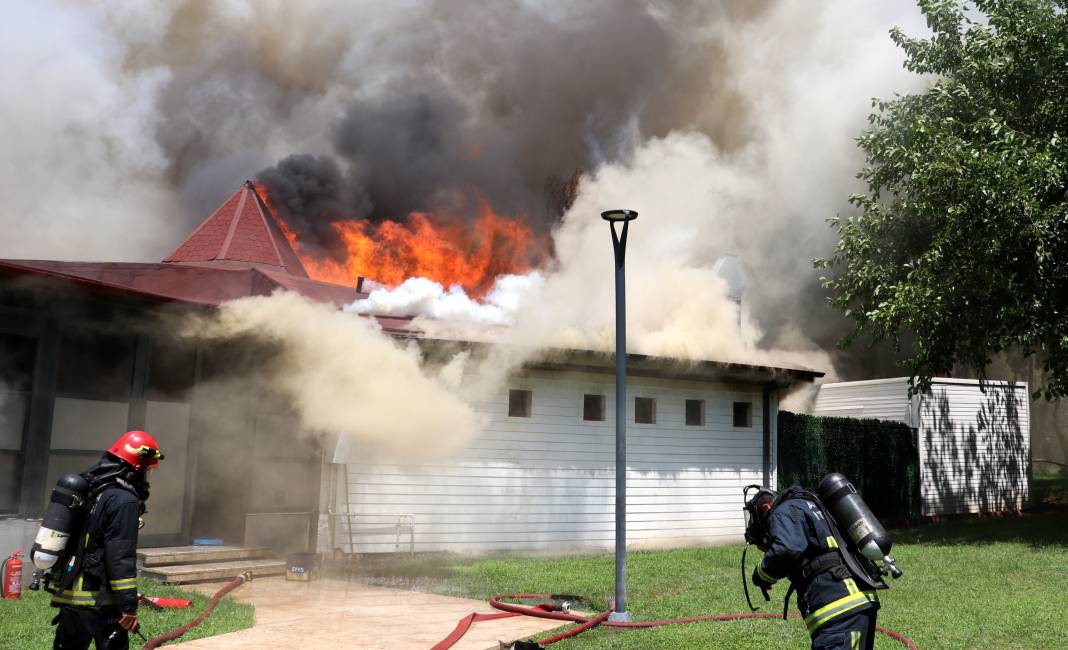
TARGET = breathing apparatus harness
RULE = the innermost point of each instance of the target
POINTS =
(757, 510)
(108, 472)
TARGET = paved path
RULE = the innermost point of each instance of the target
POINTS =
(339, 615)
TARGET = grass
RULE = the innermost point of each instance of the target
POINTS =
(1050, 487)
(969, 583)
(26, 624)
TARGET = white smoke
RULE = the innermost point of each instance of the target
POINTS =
(120, 111)
(82, 171)
(430, 300)
(342, 374)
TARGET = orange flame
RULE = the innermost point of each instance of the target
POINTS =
(471, 254)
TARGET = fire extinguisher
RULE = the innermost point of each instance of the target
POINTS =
(12, 575)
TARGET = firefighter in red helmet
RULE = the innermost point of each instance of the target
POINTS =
(97, 590)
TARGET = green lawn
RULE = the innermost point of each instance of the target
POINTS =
(26, 624)
(979, 583)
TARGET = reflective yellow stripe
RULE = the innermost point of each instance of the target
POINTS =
(125, 583)
(855, 638)
(760, 572)
(79, 597)
(817, 618)
(851, 586)
(832, 542)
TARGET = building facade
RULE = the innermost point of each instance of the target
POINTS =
(89, 350)
(974, 441)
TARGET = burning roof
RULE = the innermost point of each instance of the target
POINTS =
(237, 252)
(240, 230)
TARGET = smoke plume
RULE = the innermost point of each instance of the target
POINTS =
(729, 126)
(342, 374)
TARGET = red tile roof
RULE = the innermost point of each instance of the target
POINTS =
(201, 285)
(238, 251)
(240, 230)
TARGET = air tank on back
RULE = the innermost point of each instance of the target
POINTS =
(852, 514)
(60, 520)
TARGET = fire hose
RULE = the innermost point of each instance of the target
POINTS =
(554, 612)
(174, 634)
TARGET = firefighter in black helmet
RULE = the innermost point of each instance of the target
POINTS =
(800, 543)
(96, 591)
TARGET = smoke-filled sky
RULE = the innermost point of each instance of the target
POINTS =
(729, 125)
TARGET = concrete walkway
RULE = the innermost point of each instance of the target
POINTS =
(339, 615)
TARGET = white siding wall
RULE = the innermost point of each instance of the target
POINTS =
(974, 447)
(881, 399)
(547, 482)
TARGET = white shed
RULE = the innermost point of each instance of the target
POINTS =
(974, 442)
(541, 475)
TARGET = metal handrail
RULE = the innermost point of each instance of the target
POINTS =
(397, 528)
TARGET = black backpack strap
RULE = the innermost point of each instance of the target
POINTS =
(821, 563)
(786, 601)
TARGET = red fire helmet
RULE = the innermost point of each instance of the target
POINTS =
(137, 448)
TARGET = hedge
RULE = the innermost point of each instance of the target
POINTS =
(880, 457)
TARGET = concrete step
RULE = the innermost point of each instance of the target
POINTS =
(179, 573)
(164, 555)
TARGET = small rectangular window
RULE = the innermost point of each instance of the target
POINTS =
(695, 412)
(743, 414)
(645, 410)
(519, 403)
(593, 408)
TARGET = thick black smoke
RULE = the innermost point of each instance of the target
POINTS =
(510, 103)
(371, 110)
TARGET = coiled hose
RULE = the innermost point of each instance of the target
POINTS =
(546, 610)
(156, 642)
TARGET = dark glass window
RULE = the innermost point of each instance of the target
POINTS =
(593, 408)
(171, 371)
(519, 403)
(695, 412)
(645, 410)
(17, 354)
(98, 366)
(9, 482)
(743, 414)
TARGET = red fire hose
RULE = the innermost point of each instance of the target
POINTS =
(545, 610)
(174, 634)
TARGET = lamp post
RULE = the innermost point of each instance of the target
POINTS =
(619, 247)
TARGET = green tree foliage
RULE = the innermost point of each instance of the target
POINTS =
(960, 247)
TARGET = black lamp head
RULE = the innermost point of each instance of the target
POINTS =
(619, 215)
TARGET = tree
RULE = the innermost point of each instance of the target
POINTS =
(960, 247)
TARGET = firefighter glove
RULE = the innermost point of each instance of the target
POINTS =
(760, 581)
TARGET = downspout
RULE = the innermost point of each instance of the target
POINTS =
(767, 434)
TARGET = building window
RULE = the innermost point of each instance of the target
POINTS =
(695, 412)
(96, 366)
(645, 410)
(519, 403)
(743, 414)
(593, 408)
(17, 359)
(171, 371)
(17, 355)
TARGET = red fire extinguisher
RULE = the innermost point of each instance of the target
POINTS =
(12, 575)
